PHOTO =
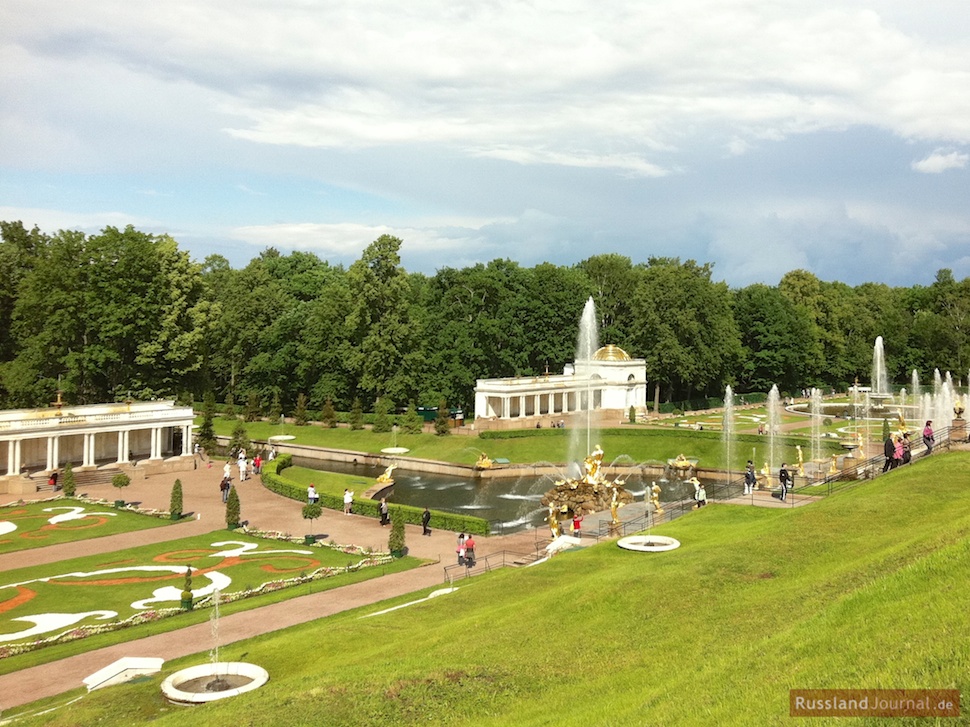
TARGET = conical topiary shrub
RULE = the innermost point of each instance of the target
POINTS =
(232, 510)
(395, 542)
(175, 504)
(69, 485)
(187, 589)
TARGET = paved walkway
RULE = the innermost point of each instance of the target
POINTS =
(262, 509)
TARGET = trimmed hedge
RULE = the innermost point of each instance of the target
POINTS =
(274, 482)
(521, 433)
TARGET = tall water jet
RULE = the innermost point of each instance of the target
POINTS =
(816, 409)
(727, 430)
(880, 379)
(774, 428)
(587, 344)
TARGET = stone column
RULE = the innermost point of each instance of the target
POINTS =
(122, 449)
(187, 440)
(156, 452)
(521, 406)
(50, 453)
(57, 452)
(506, 407)
(86, 459)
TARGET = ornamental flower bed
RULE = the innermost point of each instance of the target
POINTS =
(267, 558)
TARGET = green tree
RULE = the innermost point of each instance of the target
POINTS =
(328, 416)
(175, 502)
(311, 512)
(233, 510)
(356, 415)
(384, 352)
(207, 433)
(300, 415)
(275, 409)
(251, 412)
(239, 439)
(120, 481)
(686, 330)
(771, 341)
(382, 415)
(442, 423)
(412, 422)
(230, 410)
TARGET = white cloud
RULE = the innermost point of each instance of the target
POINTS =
(940, 161)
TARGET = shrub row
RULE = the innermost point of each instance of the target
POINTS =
(520, 433)
(369, 508)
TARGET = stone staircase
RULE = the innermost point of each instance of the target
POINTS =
(82, 479)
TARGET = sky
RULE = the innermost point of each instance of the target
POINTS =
(760, 137)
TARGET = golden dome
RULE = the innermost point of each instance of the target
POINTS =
(611, 353)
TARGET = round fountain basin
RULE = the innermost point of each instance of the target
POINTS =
(209, 682)
(648, 543)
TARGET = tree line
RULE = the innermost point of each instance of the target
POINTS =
(124, 313)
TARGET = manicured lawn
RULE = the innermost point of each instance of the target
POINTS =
(636, 444)
(64, 520)
(866, 589)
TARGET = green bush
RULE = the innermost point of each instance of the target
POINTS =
(175, 503)
(395, 541)
(69, 485)
(233, 510)
(282, 462)
(120, 480)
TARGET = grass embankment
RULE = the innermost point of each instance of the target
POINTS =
(34, 529)
(863, 590)
(541, 445)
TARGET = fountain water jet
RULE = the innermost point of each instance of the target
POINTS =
(587, 343)
(215, 680)
(727, 429)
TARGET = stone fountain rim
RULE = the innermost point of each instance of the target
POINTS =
(639, 543)
(257, 674)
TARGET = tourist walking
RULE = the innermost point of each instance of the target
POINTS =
(348, 501)
(577, 525)
(383, 510)
(461, 549)
(470, 552)
(243, 470)
(928, 439)
(907, 449)
(750, 478)
(257, 465)
(898, 451)
(701, 496)
(889, 452)
(227, 468)
(425, 522)
(311, 495)
(224, 488)
(785, 480)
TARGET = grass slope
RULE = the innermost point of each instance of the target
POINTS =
(863, 590)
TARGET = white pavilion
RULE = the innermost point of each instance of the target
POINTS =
(609, 384)
(36, 442)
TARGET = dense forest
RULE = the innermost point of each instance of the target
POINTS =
(128, 314)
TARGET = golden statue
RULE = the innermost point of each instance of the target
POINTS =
(386, 479)
(483, 462)
(553, 518)
(801, 464)
(861, 451)
(615, 505)
(958, 408)
(834, 467)
(681, 462)
(655, 500)
(593, 463)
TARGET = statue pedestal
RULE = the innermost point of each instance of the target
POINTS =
(958, 430)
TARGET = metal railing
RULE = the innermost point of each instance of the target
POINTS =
(486, 564)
